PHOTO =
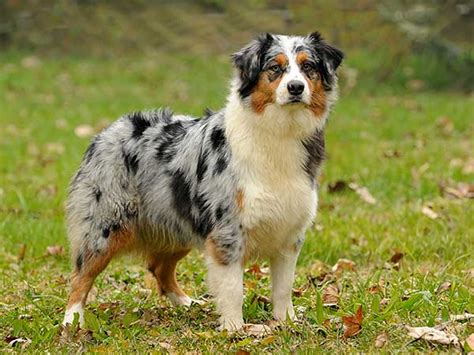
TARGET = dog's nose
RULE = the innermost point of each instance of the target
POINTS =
(295, 87)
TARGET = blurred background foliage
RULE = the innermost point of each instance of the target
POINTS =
(390, 44)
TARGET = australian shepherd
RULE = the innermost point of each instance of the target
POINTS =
(240, 183)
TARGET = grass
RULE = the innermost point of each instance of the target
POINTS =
(400, 145)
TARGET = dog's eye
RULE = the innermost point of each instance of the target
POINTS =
(275, 68)
(307, 67)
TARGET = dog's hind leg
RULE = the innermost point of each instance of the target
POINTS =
(163, 267)
(88, 265)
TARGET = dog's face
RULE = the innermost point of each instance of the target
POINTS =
(288, 71)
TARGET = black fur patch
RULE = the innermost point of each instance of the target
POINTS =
(315, 148)
(131, 161)
(221, 165)
(181, 190)
(169, 137)
(97, 193)
(249, 61)
(218, 138)
(90, 151)
(79, 262)
(201, 166)
(329, 55)
(220, 211)
(203, 225)
(140, 124)
(106, 232)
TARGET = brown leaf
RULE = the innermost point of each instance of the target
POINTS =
(363, 193)
(428, 211)
(470, 343)
(397, 257)
(432, 335)
(257, 270)
(443, 287)
(263, 299)
(165, 345)
(353, 324)
(330, 296)
(55, 250)
(460, 190)
(343, 264)
(242, 352)
(374, 289)
(337, 186)
(381, 340)
(22, 252)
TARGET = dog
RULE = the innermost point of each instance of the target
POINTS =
(240, 183)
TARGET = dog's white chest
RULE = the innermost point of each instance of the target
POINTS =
(278, 202)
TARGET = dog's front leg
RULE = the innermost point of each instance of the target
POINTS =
(226, 284)
(283, 275)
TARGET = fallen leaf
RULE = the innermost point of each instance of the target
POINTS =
(460, 190)
(428, 211)
(16, 341)
(353, 324)
(443, 287)
(374, 289)
(165, 345)
(461, 317)
(298, 292)
(363, 193)
(55, 250)
(258, 271)
(469, 343)
(330, 296)
(22, 252)
(242, 352)
(84, 131)
(381, 340)
(263, 299)
(397, 257)
(432, 335)
(337, 186)
(343, 264)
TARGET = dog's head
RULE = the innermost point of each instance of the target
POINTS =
(288, 71)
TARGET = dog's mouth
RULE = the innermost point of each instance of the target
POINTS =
(295, 100)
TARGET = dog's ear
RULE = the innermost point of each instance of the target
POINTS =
(249, 62)
(330, 54)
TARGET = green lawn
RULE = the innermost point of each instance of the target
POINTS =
(400, 146)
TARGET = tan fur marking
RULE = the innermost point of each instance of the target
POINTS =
(301, 57)
(264, 92)
(212, 250)
(318, 97)
(163, 267)
(282, 60)
(240, 199)
(94, 264)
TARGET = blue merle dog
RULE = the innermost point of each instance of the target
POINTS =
(238, 184)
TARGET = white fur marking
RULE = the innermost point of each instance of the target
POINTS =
(226, 284)
(69, 316)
